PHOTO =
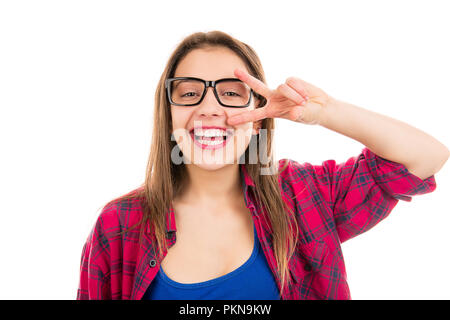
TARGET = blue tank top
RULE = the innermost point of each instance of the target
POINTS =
(251, 281)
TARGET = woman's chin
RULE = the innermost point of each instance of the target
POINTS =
(211, 166)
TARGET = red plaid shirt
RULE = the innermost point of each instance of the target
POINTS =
(332, 203)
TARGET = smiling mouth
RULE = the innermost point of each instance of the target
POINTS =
(213, 142)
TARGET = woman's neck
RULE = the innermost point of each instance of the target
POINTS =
(212, 186)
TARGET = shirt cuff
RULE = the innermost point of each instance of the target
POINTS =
(395, 179)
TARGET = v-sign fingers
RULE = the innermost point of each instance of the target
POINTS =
(257, 85)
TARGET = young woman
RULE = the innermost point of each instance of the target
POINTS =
(218, 218)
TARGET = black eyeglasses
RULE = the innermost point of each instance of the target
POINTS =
(190, 91)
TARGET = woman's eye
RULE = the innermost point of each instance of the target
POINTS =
(233, 93)
(189, 94)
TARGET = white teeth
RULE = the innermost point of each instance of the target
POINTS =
(211, 142)
(210, 132)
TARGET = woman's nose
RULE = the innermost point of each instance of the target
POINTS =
(210, 105)
(209, 95)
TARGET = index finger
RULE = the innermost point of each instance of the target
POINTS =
(248, 116)
(257, 85)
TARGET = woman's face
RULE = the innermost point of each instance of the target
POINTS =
(198, 147)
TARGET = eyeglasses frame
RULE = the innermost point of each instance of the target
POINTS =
(208, 84)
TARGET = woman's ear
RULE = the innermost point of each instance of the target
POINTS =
(256, 127)
(260, 99)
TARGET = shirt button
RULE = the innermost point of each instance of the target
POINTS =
(152, 263)
(170, 234)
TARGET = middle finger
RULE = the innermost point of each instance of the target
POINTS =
(291, 94)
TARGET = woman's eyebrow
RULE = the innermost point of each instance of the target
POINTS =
(231, 77)
(177, 83)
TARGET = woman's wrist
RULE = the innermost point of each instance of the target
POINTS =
(327, 112)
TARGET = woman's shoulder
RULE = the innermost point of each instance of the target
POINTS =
(121, 212)
(288, 168)
(304, 178)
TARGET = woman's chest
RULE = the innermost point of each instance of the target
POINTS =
(209, 245)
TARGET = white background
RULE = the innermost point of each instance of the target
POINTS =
(77, 83)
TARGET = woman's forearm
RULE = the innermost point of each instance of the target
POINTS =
(389, 138)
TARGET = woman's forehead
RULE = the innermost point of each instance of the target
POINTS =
(210, 64)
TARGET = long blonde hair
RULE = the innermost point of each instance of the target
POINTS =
(164, 179)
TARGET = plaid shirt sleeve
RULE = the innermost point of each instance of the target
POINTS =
(94, 271)
(363, 190)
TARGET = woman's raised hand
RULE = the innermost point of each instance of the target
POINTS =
(295, 100)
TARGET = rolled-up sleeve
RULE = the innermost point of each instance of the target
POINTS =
(363, 190)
